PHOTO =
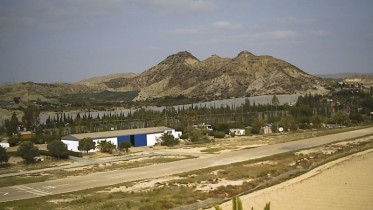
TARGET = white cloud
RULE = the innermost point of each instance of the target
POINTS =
(226, 25)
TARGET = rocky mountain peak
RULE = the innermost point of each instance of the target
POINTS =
(245, 54)
(180, 57)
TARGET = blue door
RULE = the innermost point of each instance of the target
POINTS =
(140, 140)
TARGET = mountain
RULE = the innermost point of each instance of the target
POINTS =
(184, 74)
(218, 77)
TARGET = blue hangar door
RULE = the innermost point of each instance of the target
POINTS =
(136, 140)
(139, 140)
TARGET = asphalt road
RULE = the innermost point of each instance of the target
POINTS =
(100, 179)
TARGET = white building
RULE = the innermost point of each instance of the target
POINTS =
(138, 137)
(237, 131)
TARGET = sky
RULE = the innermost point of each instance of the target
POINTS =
(49, 41)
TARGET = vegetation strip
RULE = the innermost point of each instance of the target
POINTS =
(84, 170)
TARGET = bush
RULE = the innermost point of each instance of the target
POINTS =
(184, 136)
(248, 132)
(255, 130)
(169, 140)
(45, 153)
(197, 137)
(106, 146)
(4, 157)
(58, 149)
(219, 134)
(27, 151)
(125, 145)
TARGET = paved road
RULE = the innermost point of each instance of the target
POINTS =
(77, 183)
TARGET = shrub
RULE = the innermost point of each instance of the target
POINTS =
(27, 151)
(4, 157)
(58, 149)
(106, 146)
(219, 134)
(248, 132)
(169, 140)
(184, 136)
(125, 145)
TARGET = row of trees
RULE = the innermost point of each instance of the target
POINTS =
(310, 111)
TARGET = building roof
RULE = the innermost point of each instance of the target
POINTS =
(109, 134)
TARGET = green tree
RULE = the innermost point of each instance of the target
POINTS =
(31, 117)
(125, 145)
(106, 146)
(27, 151)
(237, 204)
(268, 206)
(217, 207)
(317, 120)
(289, 122)
(169, 140)
(196, 136)
(4, 157)
(257, 125)
(11, 125)
(190, 117)
(275, 101)
(14, 140)
(58, 149)
(86, 144)
(340, 117)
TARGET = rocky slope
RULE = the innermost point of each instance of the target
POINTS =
(217, 77)
(182, 73)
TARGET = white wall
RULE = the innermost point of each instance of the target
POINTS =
(151, 139)
(71, 145)
(176, 134)
(4, 145)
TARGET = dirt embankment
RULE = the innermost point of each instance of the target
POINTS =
(342, 184)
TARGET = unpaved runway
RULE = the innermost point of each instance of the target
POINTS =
(342, 184)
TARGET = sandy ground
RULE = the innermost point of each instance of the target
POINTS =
(346, 183)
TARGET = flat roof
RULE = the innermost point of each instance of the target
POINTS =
(116, 133)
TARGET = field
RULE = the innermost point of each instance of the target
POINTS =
(200, 188)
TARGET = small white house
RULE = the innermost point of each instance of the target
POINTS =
(4, 144)
(237, 131)
(137, 137)
(266, 129)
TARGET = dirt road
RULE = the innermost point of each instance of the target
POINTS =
(114, 177)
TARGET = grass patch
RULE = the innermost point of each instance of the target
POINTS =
(213, 150)
(38, 177)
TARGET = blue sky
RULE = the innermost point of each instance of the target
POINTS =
(70, 40)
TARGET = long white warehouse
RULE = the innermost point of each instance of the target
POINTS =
(138, 137)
